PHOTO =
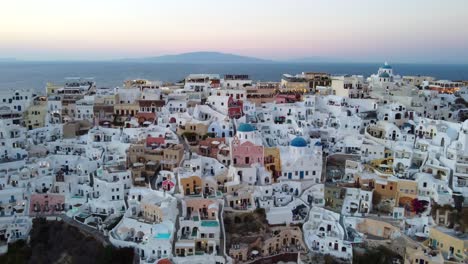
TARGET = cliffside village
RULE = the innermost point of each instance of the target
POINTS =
(225, 169)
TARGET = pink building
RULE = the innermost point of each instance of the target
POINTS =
(246, 154)
(287, 98)
(204, 208)
(46, 204)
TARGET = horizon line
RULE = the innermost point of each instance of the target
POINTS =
(265, 61)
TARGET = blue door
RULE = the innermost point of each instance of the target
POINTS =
(301, 174)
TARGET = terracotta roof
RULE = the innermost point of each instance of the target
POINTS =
(154, 140)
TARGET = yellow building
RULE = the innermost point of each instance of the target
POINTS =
(273, 162)
(191, 185)
(386, 189)
(450, 243)
(52, 88)
(36, 113)
(407, 190)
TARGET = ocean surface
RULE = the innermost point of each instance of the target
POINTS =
(34, 75)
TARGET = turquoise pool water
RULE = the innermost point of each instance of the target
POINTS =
(83, 215)
(209, 223)
(162, 236)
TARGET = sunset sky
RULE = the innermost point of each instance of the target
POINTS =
(363, 30)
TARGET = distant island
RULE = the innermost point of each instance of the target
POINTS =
(200, 57)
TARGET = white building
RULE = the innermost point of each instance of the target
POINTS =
(324, 234)
(17, 100)
(300, 161)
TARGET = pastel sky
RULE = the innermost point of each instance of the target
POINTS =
(360, 30)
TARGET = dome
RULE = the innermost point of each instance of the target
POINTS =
(386, 66)
(299, 142)
(244, 127)
(384, 75)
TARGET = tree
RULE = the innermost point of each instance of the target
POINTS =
(419, 206)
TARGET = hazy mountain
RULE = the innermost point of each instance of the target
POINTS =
(201, 57)
(315, 59)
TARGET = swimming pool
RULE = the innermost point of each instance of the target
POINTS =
(162, 236)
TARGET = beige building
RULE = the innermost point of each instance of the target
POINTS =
(124, 110)
(168, 156)
(294, 84)
(279, 239)
(349, 86)
(76, 128)
(378, 228)
(317, 79)
(262, 92)
(194, 131)
(417, 80)
(422, 255)
(103, 109)
(152, 212)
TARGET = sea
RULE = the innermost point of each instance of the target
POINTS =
(35, 75)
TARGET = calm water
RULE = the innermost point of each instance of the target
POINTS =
(34, 75)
